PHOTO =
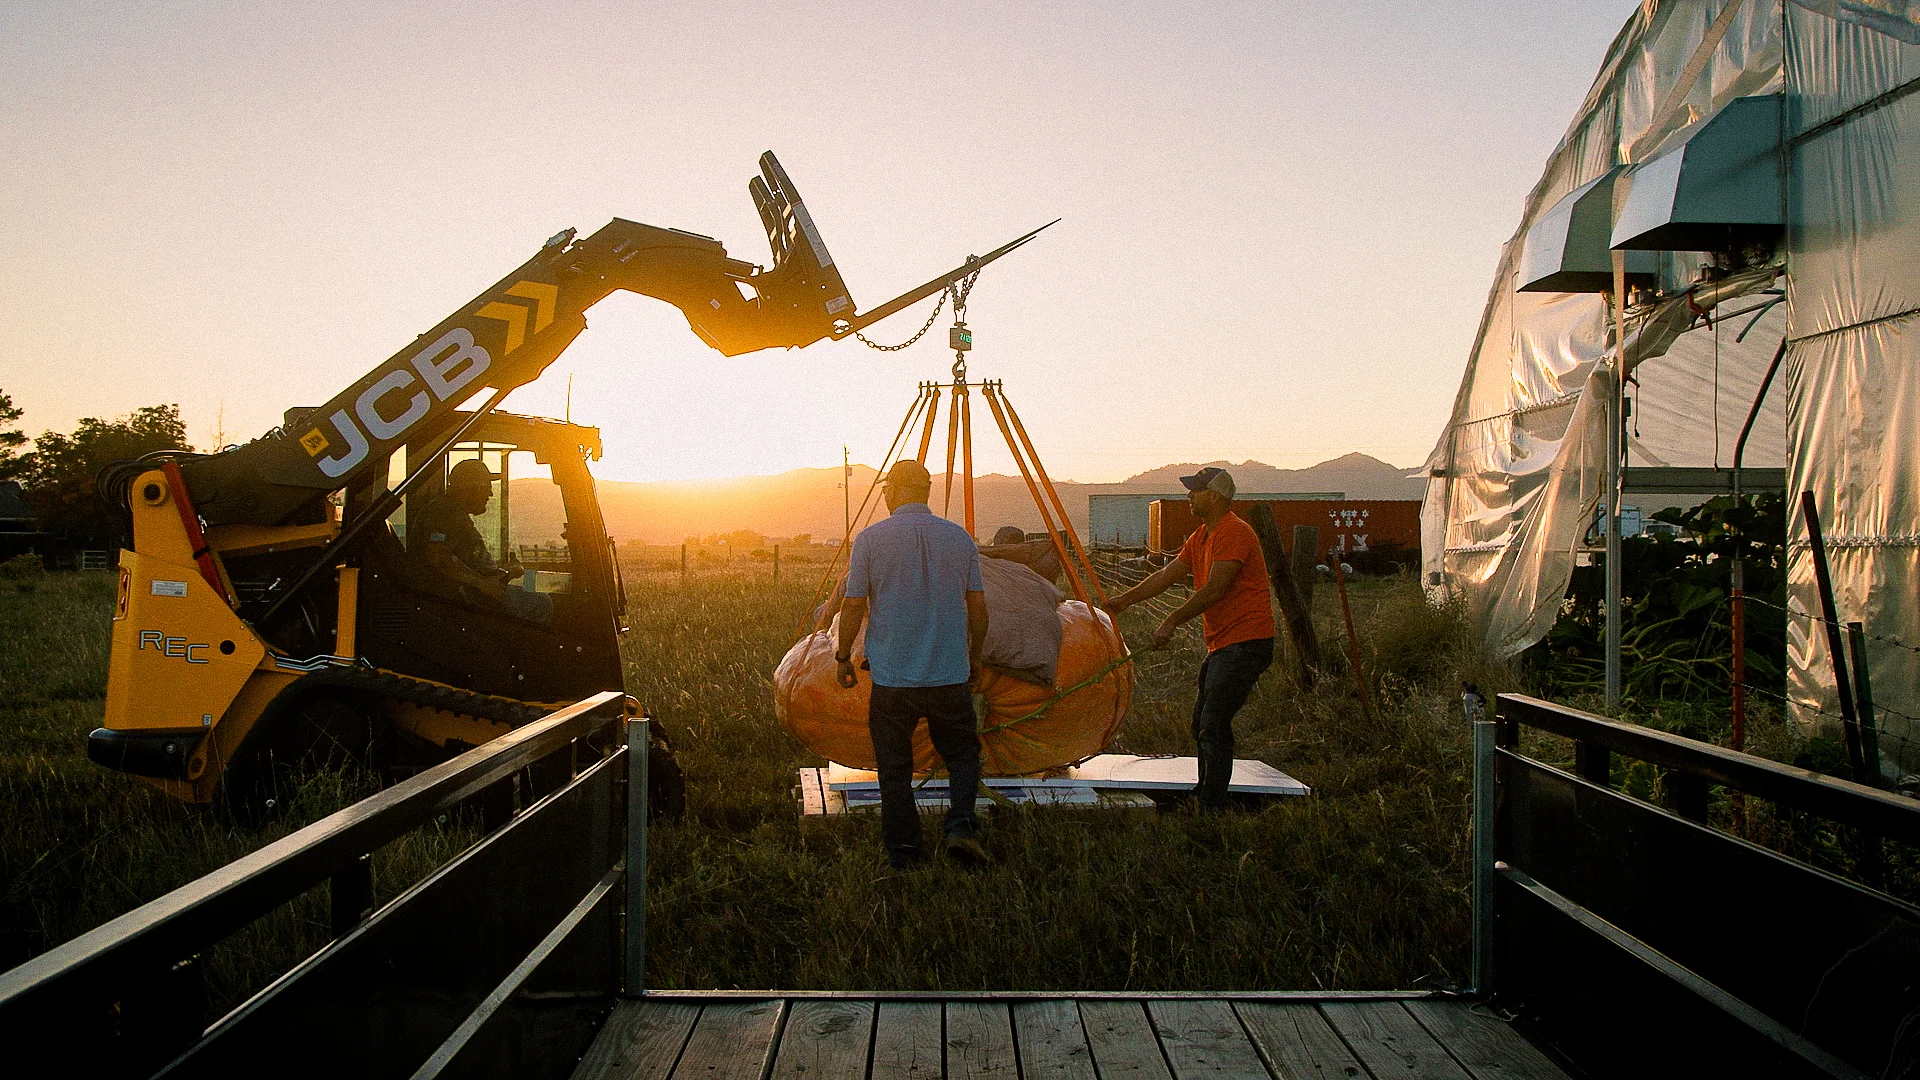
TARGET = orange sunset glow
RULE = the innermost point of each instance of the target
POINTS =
(243, 208)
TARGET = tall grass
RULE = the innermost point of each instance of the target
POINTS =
(83, 844)
(1361, 885)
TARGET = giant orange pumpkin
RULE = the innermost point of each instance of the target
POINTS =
(1027, 729)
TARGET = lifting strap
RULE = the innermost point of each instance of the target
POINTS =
(1082, 578)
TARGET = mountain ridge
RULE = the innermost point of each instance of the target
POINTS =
(808, 500)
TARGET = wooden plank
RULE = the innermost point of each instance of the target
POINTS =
(732, 1041)
(980, 1041)
(811, 804)
(1051, 1041)
(1390, 1042)
(1309, 996)
(1484, 1043)
(825, 1039)
(907, 1041)
(1121, 1038)
(640, 1041)
(1205, 1039)
(1296, 1042)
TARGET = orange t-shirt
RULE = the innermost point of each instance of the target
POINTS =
(1246, 612)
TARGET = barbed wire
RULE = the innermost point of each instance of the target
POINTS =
(1807, 707)
(1822, 619)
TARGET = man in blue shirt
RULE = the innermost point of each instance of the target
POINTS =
(919, 577)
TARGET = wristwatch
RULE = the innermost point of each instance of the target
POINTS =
(838, 659)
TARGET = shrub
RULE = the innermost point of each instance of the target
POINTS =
(23, 568)
(1675, 640)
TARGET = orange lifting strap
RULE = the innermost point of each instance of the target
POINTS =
(924, 413)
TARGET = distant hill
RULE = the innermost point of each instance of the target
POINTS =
(809, 500)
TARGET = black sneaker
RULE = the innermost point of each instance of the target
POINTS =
(966, 851)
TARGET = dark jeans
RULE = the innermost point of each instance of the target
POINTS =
(892, 714)
(1227, 676)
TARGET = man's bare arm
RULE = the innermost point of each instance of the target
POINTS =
(1219, 580)
(976, 634)
(853, 615)
(1157, 582)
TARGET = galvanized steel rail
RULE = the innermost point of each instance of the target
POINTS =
(1617, 927)
(110, 998)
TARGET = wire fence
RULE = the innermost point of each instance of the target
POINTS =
(1790, 704)
(1822, 620)
(1119, 572)
(1801, 707)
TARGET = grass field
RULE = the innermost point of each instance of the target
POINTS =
(1361, 885)
(83, 844)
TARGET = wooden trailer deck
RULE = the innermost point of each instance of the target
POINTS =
(1036, 1037)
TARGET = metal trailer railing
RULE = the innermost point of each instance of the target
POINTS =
(1641, 941)
(503, 962)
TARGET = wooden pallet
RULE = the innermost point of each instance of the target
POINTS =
(1106, 781)
(819, 798)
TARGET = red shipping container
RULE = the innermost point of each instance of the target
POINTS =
(1346, 525)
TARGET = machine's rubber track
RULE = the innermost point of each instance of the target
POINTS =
(388, 685)
(668, 789)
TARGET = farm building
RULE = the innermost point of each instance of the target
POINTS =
(1121, 519)
(1723, 247)
(1346, 525)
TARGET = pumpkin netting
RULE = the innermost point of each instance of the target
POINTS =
(1030, 725)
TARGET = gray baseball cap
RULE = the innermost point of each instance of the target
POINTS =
(1210, 478)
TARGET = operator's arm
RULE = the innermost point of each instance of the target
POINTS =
(1219, 580)
(853, 615)
(976, 635)
(441, 558)
(1157, 582)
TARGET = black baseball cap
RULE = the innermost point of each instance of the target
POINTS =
(471, 471)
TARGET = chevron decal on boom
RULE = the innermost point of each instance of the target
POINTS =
(514, 316)
(544, 297)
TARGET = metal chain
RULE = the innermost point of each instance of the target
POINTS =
(960, 320)
(959, 305)
(918, 334)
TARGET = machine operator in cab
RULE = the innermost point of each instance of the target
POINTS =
(453, 547)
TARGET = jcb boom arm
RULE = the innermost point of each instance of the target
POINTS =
(510, 333)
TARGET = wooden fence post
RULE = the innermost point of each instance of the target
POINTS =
(1306, 556)
(1299, 619)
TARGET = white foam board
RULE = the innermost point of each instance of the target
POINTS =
(1106, 772)
(1134, 773)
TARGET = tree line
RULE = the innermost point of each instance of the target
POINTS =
(56, 475)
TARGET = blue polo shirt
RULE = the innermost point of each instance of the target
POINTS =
(915, 570)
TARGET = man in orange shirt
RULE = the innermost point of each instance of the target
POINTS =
(1232, 596)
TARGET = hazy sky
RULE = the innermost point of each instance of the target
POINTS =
(1281, 219)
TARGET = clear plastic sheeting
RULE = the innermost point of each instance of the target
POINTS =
(1854, 431)
(1519, 472)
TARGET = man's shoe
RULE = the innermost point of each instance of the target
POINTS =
(904, 861)
(966, 851)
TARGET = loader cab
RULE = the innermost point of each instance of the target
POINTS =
(559, 638)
